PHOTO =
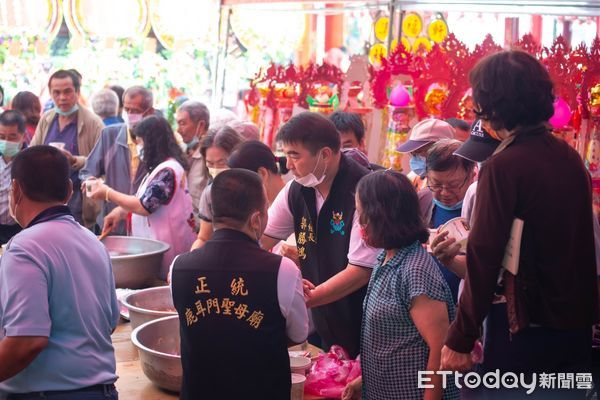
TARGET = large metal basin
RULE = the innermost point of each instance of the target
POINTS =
(149, 304)
(136, 261)
(159, 348)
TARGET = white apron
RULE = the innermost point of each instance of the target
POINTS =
(169, 223)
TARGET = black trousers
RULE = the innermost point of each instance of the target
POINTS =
(533, 350)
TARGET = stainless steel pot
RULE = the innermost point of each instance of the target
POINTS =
(135, 261)
(159, 347)
(149, 304)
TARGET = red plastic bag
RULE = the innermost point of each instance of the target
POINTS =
(330, 374)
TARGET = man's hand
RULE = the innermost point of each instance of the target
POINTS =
(72, 160)
(444, 248)
(290, 252)
(455, 361)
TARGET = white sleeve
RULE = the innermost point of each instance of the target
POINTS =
(469, 203)
(359, 253)
(291, 302)
(281, 220)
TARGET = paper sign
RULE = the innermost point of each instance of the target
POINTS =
(437, 30)
(421, 42)
(377, 52)
(512, 252)
(412, 25)
(381, 28)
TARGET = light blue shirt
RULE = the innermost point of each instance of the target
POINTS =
(56, 281)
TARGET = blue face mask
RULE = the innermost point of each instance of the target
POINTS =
(66, 113)
(9, 149)
(418, 165)
(454, 207)
(193, 143)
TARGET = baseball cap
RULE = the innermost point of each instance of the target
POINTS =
(425, 132)
(479, 146)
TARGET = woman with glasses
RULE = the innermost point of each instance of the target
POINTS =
(215, 148)
(448, 178)
(544, 324)
(408, 305)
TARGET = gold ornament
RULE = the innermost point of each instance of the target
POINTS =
(434, 99)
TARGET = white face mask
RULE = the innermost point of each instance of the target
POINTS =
(132, 119)
(140, 151)
(311, 180)
(216, 171)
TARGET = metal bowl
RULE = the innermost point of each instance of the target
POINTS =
(149, 304)
(159, 347)
(136, 261)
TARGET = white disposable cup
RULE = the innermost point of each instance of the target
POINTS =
(90, 185)
(297, 392)
(58, 145)
(300, 364)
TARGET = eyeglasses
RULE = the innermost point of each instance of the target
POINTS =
(451, 187)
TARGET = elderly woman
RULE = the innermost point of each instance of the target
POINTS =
(408, 305)
(550, 299)
(216, 148)
(162, 207)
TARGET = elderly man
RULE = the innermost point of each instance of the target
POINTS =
(115, 155)
(193, 119)
(448, 178)
(72, 128)
(57, 298)
(105, 104)
(12, 134)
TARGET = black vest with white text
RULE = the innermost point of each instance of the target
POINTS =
(323, 244)
(233, 335)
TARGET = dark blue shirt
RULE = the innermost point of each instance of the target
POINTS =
(68, 136)
(439, 218)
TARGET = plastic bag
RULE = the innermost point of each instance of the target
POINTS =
(331, 372)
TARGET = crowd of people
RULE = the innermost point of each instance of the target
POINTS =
(368, 270)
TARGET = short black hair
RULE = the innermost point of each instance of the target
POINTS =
(311, 130)
(441, 157)
(12, 117)
(159, 142)
(62, 73)
(236, 194)
(252, 155)
(119, 91)
(511, 89)
(43, 173)
(349, 122)
(390, 210)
